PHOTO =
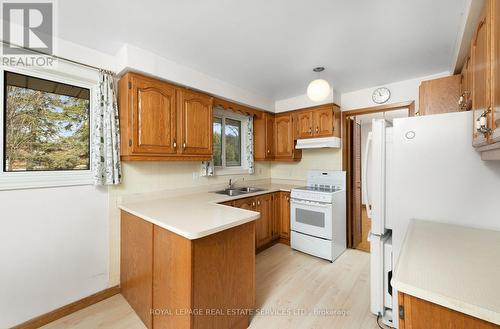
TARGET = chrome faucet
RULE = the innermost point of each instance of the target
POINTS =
(231, 183)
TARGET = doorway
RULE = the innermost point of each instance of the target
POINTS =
(356, 163)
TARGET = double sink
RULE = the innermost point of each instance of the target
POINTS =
(239, 191)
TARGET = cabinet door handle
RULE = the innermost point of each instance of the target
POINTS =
(175, 144)
(268, 151)
(253, 204)
(184, 145)
(317, 130)
(258, 203)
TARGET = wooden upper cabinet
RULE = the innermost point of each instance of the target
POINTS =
(263, 133)
(440, 95)
(270, 137)
(495, 71)
(284, 141)
(319, 121)
(323, 122)
(305, 124)
(160, 121)
(196, 119)
(283, 128)
(148, 116)
(480, 76)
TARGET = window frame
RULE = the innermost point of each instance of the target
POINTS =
(79, 77)
(232, 170)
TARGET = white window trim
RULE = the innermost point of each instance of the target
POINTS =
(44, 179)
(244, 168)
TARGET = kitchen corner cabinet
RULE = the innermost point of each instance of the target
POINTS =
(262, 204)
(319, 121)
(415, 313)
(284, 146)
(440, 95)
(160, 121)
(263, 130)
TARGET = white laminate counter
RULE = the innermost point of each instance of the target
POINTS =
(454, 266)
(196, 215)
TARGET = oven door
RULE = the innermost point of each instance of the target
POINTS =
(312, 218)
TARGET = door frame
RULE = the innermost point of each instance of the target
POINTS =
(347, 151)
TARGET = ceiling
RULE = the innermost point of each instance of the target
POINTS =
(269, 47)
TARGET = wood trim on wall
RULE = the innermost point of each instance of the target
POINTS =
(58, 313)
(311, 108)
(235, 107)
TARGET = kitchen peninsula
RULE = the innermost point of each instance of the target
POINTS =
(188, 261)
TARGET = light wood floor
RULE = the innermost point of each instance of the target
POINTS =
(288, 282)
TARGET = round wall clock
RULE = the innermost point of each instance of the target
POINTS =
(381, 95)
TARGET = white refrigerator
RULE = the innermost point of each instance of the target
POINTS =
(375, 178)
(424, 168)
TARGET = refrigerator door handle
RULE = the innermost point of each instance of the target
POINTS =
(364, 178)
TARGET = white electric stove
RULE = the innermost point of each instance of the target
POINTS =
(318, 215)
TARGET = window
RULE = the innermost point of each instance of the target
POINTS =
(46, 127)
(229, 144)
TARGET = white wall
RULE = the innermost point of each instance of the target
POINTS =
(136, 59)
(302, 101)
(326, 159)
(401, 91)
(53, 249)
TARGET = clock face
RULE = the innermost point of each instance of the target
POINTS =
(381, 95)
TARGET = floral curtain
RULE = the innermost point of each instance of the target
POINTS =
(105, 148)
(249, 145)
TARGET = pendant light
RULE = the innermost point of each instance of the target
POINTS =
(319, 89)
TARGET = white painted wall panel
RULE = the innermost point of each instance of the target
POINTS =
(54, 249)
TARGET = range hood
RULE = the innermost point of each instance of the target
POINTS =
(316, 143)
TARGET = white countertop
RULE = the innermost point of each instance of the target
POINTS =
(196, 215)
(454, 266)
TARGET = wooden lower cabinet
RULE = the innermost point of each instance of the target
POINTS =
(284, 204)
(172, 282)
(415, 313)
(263, 225)
(274, 222)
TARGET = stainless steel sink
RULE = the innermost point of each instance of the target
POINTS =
(230, 192)
(250, 189)
(239, 191)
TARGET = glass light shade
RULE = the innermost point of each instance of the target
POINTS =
(318, 90)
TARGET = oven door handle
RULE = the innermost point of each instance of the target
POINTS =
(311, 203)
